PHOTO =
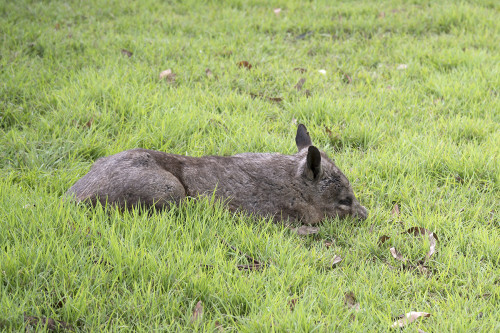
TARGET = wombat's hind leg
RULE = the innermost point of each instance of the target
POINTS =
(152, 188)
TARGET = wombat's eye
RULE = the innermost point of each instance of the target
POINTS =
(345, 202)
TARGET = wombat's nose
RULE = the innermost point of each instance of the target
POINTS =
(361, 212)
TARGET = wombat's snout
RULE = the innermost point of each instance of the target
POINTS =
(361, 212)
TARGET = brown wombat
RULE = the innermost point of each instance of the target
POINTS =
(306, 187)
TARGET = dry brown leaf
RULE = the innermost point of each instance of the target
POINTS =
(420, 231)
(89, 123)
(292, 303)
(299, 84)
(409, 318)
(329, 244)
(127, 53)
(218, 326)
(383, 239)
(350, 301)
(300, 70)
(306, 230)
(57, 26)
(277, 11)
(275, 99)
(396, 254)
(209, 73)
(347, 79)
(198, 312)
(432, 248)
(51, 324)
(381, 15)
(245, 64)
(336, 260)
(168, 75)
(395, 210)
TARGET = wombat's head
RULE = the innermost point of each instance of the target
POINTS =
(327, 189)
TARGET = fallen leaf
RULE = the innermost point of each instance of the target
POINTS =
(57, 26)
(383, 239)
(198, 312)
(51, 324)
(329, 244)
(127, 53)
(209, 73)
(245, 64)
(322, 71)
(396, 254)
(432, 248)
(292, 303)
(381, 15)
(277, 11)
(275, 99)
(420, 231)
(218, 326)
(300, 70)
(402, 66)
(299, 84)
(168, 75)
(306, 230)
(336, 260)
(350, 301)
(409, 318)
(395, 210)
(89, 123)
(347, 79)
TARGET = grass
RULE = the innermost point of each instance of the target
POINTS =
(417, 124)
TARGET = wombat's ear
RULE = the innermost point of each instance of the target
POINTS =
(303, 140)
(313, 163)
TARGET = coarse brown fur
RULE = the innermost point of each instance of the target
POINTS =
(305, 187)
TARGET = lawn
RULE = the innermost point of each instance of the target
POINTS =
(403, 96)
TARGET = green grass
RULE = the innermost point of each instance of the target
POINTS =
(426, 137)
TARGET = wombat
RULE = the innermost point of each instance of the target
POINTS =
(306, 187)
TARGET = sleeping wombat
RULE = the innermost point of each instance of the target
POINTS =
(305, 187)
